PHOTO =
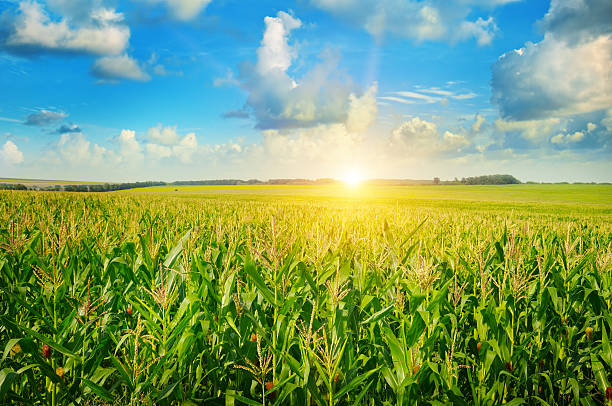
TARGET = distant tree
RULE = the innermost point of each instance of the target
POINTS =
(491, 180)
(11, 186)
(436, 181)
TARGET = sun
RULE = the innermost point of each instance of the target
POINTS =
(352, 178)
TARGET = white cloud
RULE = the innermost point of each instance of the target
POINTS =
(129, 148)
(166, 143)
(557, 91)
(421, 137)
(10, 153)
(163, 135)
(567, 138)
(427, 96)
(419, 20)
(527, 85)
(328, 143)
(415, 135)
(530, 129)
(119, 67)
(126, 153)
(102, 156)
(478, 123)
(362, 110)
(182, 9)
(275, 52)
(101, 34)
(74, 148)
(578, 20)
(157, 151)
(82, 28)
(418, 96)
(77, 151)
(482, 30)
(396, 99)
(567, 73)
(452, 142)
(278, 101)
(186, 148)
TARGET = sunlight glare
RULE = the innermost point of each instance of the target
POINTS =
(353, 178)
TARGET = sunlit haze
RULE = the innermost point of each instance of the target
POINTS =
(352, 178)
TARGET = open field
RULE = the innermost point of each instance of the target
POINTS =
(546, 194)
(307, 295)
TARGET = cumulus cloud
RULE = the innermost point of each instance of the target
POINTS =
(126, 151)
(275, 53)
(186, 148)
(418, 137)
(578, 20)
(10, 153)
(75, 149)
(45, 117)
(526, 85)
(33, 31)
(157, 151)
(530, 129)
(163, 135)
(81, 27)
(567, 138)
(477, 125)
(165, 142)
(565, 74)
(280, 101)
(419, 20)
(482, 30)
(119, 67)
(182, 9)
(129, 148)
(558, 92)
(329, 143)
(362, 110)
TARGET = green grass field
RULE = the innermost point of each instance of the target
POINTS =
(323, 295)
(551, 194)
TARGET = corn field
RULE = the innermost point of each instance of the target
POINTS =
(161, 300)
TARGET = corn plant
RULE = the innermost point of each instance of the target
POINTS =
(132, 299)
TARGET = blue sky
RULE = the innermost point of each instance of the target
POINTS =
(204, 89)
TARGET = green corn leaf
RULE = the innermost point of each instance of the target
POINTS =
(251, 271)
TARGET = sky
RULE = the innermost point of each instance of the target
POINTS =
(168, 90)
